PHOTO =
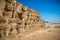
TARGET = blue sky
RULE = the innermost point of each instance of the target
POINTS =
(49, 9)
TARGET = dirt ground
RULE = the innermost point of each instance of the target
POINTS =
(47, 34)
(43, 34)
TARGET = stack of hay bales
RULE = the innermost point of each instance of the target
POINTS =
(16, 18)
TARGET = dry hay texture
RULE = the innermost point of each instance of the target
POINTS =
(16, 18)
